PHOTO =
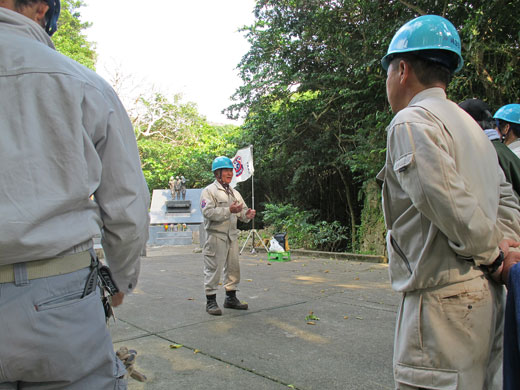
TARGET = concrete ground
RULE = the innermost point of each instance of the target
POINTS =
(273, 345)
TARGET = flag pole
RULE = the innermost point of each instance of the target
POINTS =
(252, 232)
(253, 200)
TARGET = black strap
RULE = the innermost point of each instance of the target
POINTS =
(92, 279)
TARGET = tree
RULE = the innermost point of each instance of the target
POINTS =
(314, 91)
(158, 118)
(307, 96)
(174, 139)
(69, 38)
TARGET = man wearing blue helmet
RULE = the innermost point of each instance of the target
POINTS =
(221, 207)
(508, 123)
(64, 132)
(451, 219)
(508, 161)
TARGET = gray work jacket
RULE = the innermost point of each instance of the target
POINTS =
(64, 137)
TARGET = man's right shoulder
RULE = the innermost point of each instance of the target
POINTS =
(411, 114)
(39, 58)
(209, 188)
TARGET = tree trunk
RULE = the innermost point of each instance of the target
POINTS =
(350, 207)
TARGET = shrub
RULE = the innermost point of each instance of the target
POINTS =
(302, 229)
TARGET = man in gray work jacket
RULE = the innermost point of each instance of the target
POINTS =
(65, 133)
(451, 219)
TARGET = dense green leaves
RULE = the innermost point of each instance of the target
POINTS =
(174, 139)
(69, 39)
(314, 91)
(303, 231)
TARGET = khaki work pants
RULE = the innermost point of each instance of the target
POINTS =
(450, 338)
(220, 255)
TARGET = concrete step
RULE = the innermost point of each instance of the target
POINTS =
(187, 233)
(159, 238)
(173, 241)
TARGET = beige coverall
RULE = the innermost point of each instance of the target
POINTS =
(447, 206)
(221, 247)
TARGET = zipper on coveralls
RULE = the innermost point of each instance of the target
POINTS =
(400, 253)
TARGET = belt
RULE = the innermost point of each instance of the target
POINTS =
(48, 267)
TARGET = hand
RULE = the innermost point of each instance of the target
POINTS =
(236, 207)
(511, 259)
(507, 243)
(250, 213)
(117, 299)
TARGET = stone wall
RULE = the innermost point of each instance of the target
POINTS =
(372, 231)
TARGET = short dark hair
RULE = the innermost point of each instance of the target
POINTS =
(21, 4)
(480, 111)
(428, 72)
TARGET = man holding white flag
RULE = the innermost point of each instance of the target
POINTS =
(242, 166)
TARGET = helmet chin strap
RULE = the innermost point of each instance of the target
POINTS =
(218, 176)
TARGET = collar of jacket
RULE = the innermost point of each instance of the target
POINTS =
(22, 25)
(492, 134)
(221, 187)
(435, 92)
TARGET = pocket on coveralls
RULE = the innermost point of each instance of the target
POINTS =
(59, 301)
(69, 328)
(426, 377)
(209, 246)
(459, 302)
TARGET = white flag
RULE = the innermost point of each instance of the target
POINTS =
(243, 165)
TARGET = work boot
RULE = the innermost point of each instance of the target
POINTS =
(232, 302)
(212, 306)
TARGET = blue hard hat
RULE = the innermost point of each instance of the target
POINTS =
(52, 15)
(509, 113)
(221, 162)
(431, 35)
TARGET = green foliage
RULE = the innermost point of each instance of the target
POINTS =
(329, 236)
(303, 231)
(311, 81)
(491, 51)
(69, 39)
(159, 118)
(173, 139)
(314, 91)
(288, 219)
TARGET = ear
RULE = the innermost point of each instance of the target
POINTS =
(404, 71)
(40, 11)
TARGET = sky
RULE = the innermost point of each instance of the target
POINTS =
(190, 47)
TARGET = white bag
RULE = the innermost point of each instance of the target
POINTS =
(274, 246)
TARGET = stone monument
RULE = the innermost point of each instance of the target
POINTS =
(171, 224)
(183, 187)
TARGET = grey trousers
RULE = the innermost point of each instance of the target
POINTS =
(220, 255)
(51, 338)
